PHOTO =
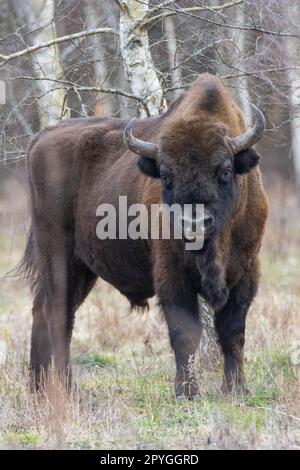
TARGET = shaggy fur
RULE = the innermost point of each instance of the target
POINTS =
(78, 164)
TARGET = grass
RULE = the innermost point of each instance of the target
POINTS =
(124, 369)
(94, 359)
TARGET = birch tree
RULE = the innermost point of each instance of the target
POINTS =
(175, 70)
(47, 64)
(241, 42)
(68, 19)
(138, 63)
(293, 54)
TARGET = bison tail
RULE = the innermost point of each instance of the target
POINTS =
(27, 268)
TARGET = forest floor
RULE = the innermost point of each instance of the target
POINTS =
(124, 368)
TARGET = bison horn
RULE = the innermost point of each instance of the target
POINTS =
(146, 149)
(253, 134)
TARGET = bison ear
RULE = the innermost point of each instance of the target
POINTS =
(246, 160)
(149, 167)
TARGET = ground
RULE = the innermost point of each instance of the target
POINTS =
(124, 368)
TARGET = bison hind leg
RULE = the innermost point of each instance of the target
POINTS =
(79, 281)
(41, 353)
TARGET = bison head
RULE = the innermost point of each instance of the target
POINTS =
(198, 162)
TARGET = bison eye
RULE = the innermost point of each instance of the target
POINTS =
(166, 181)
(226, 174)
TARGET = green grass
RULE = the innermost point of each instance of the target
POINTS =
(94, 359)
(22, 439)
(269, 372)
(281, 270)
(158, 419)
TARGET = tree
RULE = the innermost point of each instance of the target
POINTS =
(293, 54)
(138, 63)
(47, 64)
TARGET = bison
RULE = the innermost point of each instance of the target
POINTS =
(199, 151)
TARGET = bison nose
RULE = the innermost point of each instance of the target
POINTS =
(193, 228)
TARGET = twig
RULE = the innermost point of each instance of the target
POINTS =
(71, 85)
(172, 12)
(190, 10)
(29, 50)
(254, 28)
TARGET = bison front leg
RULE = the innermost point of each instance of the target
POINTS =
(230, 322)
(184, 331)
(179, 302)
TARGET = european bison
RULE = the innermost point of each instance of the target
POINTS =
(199, 151)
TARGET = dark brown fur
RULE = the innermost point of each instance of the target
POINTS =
(78, 164)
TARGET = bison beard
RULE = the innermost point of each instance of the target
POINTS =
(213, 287)
(79, 163)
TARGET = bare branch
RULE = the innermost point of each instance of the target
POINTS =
(239, 74)
(159, 7)
(172, 12)
(70, 37)
(218, 8)
(253, 28)
(76, 87)
(257, 73)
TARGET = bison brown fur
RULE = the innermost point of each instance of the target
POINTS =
(78, 164)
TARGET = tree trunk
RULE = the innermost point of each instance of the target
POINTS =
(175, 72)
(135, 51)
(96, 16)
(293, 54)
(243, 85)
(48, 65)
(209, 350)
(69, 19)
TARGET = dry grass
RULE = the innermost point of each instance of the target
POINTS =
(124, 368)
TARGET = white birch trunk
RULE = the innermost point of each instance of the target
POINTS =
(293, 55)
(243, 88)
(135, 51)
(209, 349)
(48, 65)
(175, 72)
(295, 137)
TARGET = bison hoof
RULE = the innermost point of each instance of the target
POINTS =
(191, 397)
(187, 390)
